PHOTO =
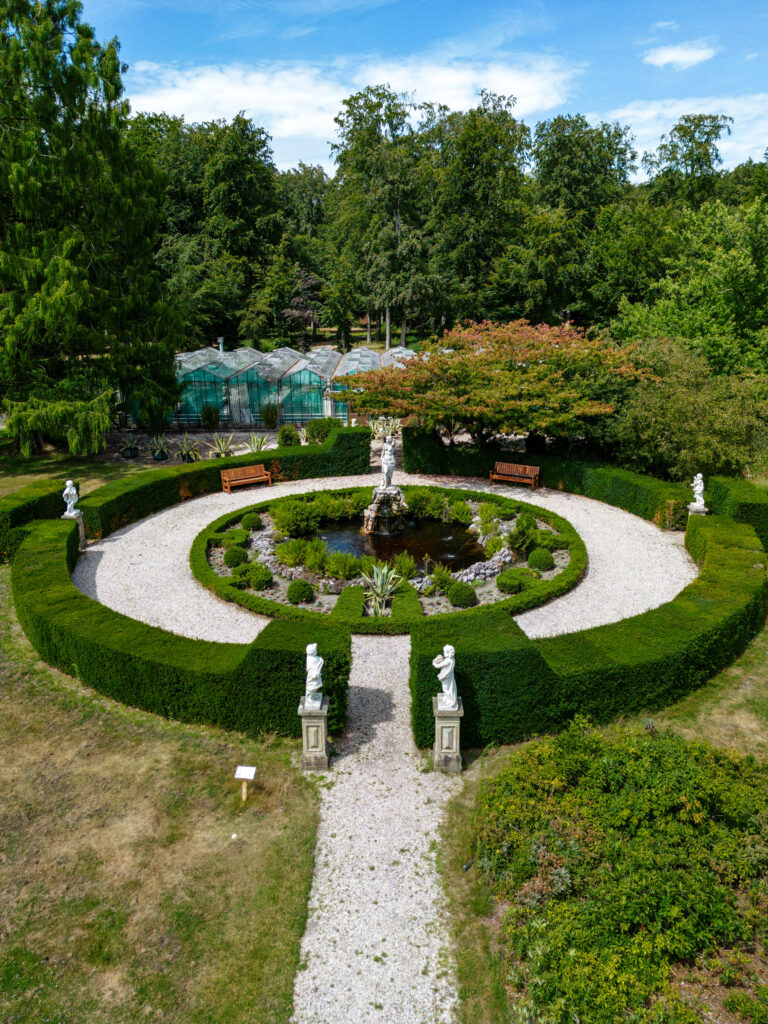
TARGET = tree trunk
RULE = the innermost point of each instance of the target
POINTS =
(388, 342)
(378, 327)
(368, 327)
(403, 331)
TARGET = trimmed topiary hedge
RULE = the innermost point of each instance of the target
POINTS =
(742, 501)
(663, 503)
(251, 688)
(345, 453)
(534, 686)
(461, 595)
(40, 500)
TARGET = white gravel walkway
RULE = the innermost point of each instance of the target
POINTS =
(143, 570)
(376, 947)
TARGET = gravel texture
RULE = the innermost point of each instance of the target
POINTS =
(143, 570)
(375, 947)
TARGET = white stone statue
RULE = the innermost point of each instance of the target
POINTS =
(387, 462)
(69, 494)
(445, 663)
(697, 505)
(313, 696)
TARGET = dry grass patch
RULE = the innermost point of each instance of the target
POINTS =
(123, 896)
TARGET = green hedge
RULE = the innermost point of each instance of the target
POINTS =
(345, 453)
(742, 501)
(663, 503)
(406, 607)
(514, 688)
(250, 688)
(40, 500)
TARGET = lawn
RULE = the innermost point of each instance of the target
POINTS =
(16, 472)
(123, 892)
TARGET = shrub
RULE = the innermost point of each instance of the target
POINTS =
(551, 541)
(442, 577)
(461, 512)
(288, 436)
(341, 565)
(296, 518)
(300, 592)
(488, 513)
(541, 559)
(461, 595)
(291, 553)
(270, 413)
(512, 581)
(405, 565)
(419, 500)
(315, 555)
(235, 538)
(523, 538)
(40, 500)
(235, 556)
(251, 521)
(639, 835)
(492, 545)
(319, 430)
(254, 575)
(210, 416)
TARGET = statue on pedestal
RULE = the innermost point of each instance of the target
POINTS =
(387, 463)
(69, 494)
(445, 663)
(697, 505)
(313, 696)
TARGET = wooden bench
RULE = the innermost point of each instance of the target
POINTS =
(242, 476)
(511, 472)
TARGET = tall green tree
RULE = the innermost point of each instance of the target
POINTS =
(80, 217)
(685, 165)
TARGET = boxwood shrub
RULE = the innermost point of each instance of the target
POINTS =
(40, 500)
(345, 453)
(235, 556)
(541, 559)
(461, 595)
(251, 521)
(300, 592)
(742, 501)
(665, 504)
(253, 688)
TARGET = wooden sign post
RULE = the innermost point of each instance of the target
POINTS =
(246, 773)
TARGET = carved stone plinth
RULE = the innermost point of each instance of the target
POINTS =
(78, 516)
(447, 737)
(694, 509)
(384, 514)
(314, 734)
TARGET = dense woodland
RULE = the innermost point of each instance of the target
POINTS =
(125, 237)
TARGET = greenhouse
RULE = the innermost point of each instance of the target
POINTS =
(239, 384)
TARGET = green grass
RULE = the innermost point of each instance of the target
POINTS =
(124, 897)
(16, 472)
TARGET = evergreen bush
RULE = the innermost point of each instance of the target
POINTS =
(541, 559)
(251, 521)
(254, 575)
(300, 592)
(461, 595)
(288, 436)
(290, 553)
(235, 556)
(512, 581)
(235, 538)
(319, 430)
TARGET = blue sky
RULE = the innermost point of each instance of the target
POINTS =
(289, 64)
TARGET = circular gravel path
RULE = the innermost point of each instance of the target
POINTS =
(376, 946)
(143, 570)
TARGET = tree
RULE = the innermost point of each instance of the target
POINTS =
(582, 167)
(686, 161)
(81, 208)
(492, 378)
(303, 312)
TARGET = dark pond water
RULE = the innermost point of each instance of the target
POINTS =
(450, 543)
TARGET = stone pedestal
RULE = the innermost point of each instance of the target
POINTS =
(314, 734)
(697, 510)
(447, 753)
(78, 516)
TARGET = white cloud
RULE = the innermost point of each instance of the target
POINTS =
(680, 55)
(665, 24)
(297, 102)
(749, 132)
(751, 56)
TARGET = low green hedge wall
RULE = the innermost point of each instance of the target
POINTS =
(40, 500)
(665, 504)
(251, 688)
(514, 688)
(345, 453)
(406, 607)
(742, 501)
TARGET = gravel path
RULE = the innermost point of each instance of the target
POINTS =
(375, 947)
(143, 570)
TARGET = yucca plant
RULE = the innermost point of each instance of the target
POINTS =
(189, 450)
(221, 447)
(258, 443)
(382, 582)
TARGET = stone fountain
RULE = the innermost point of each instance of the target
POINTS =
(386, 511)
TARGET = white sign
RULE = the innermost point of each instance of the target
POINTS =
(245, 771)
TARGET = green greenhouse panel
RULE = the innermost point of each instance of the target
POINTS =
(301, 395)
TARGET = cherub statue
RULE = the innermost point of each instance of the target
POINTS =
(445, 663)
(387, 463)
(313, 696)
(698, 490)
(69, 494)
